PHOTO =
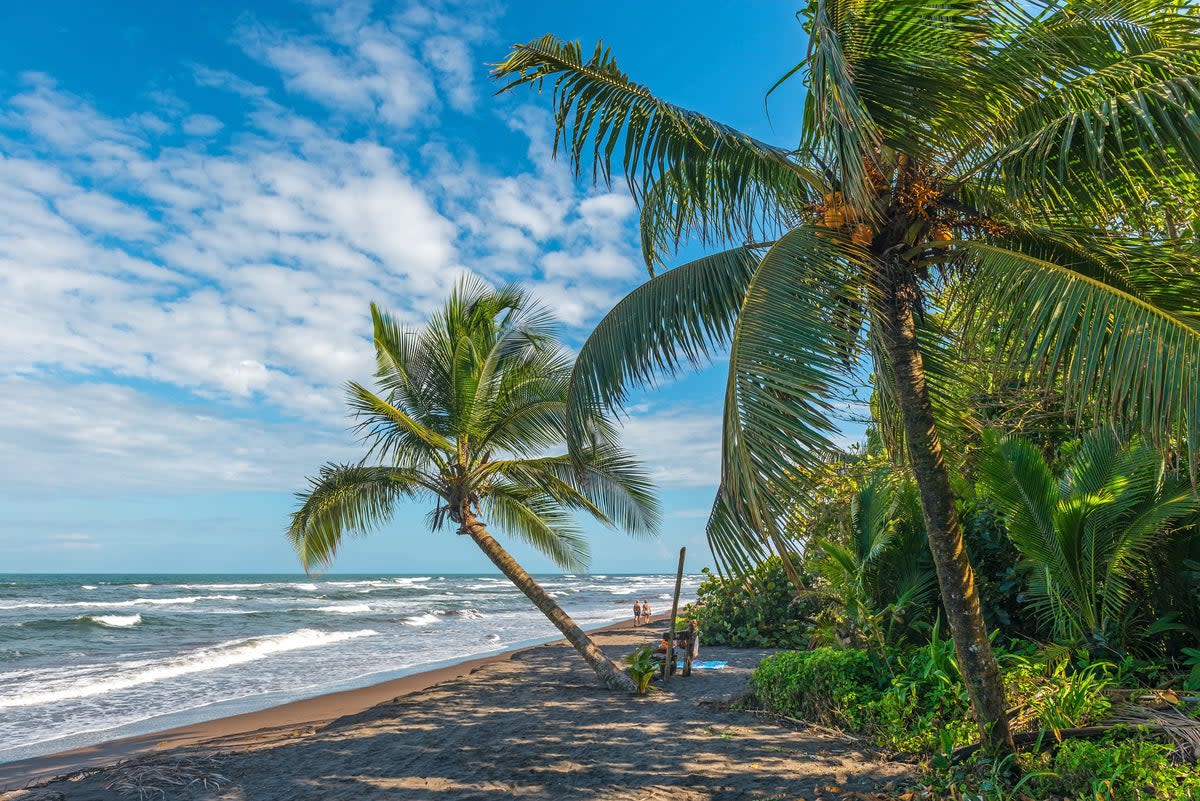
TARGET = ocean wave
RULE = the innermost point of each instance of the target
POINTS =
(468, 613)
(343, 609)
(420, 620)
(113, 621)
(221, 586)
(227, 654)
(134, 602)
(306, 586)
(87, 586)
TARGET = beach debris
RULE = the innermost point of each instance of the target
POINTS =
(1182, 730)
(152, 779)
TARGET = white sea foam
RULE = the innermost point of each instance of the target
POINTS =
(344, 609)
(114, 621)
(306, 586)
(87, 586)
(420, 620)
(227, 654)
(134, 602)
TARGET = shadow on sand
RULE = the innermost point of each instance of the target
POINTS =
(537, 726)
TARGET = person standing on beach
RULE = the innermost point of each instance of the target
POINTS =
(637, 613)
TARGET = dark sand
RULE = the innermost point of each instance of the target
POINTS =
(531, 724)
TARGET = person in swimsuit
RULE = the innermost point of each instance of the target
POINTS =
(637, 613)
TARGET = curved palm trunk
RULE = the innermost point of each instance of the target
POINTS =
(956, 579)
(609, 672)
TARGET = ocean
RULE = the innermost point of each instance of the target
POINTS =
(89, 658)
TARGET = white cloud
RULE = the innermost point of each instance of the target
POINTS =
(161, 300)
(201, 125)
(100, 437)
(681, 447)
(74, 541)
(452, 60)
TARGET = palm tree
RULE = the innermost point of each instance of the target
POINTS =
(983, 159)
(468, 412)
(1086, 536)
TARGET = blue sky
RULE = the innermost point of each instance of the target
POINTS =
(198, 202)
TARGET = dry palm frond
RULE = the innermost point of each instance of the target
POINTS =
(151, 779)
(1182, 730)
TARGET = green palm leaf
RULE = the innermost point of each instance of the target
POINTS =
(784, 368)
(1114, 353)
(596, 103)
(681, 316)
(348, 498)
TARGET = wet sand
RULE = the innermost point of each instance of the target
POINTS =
(530, 724)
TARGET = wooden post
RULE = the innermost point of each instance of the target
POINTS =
(674, 612)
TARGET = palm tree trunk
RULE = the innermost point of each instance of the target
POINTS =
(956, 579)
(609, 672)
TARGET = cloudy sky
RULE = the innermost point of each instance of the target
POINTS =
(199, 201)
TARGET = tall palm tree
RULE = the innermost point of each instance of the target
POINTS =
(979, 158)
(1086, 535)
(467, 413)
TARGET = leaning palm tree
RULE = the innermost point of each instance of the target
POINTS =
(467, 413)
(982, 159)
(1087, 535)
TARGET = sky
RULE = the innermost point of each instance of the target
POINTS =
(198, 203)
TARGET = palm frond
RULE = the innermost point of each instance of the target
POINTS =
(1096, 100)
(1020, 483)
(535, 518)
(596, 104)
(1117, 356)
(680, 316)
(607, 482)
(347, 499)
(696, 201)
(392, 433)
(736, 545)
(784, 367)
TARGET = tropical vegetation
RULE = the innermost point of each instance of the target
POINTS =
(982, 189)
(467, 412)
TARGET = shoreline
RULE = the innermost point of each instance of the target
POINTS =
(534, 724)
(306, 712)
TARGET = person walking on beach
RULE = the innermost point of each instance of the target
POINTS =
(645, 611)
(637, 613)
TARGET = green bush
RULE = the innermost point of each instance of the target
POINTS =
(1117, 769)
(1051, 694)
(758, 611)
(835, 687)
(926, 708)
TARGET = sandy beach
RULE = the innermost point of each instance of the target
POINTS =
(533, 723)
